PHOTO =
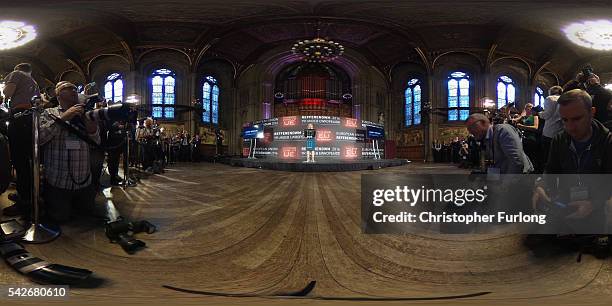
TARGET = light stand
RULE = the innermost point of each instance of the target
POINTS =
(37, 233)
(375, 149)
(253, 144)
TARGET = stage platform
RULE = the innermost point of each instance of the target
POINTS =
(318, 166)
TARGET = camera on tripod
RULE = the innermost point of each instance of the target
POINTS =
(122, 232)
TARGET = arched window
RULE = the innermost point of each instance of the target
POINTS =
(506, 92)
(458, 96)
(538, 97)
(113, 88)
(2, 89)
(163, 82)
(412, 102)
(210, 100)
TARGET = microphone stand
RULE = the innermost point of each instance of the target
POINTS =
(37, 233)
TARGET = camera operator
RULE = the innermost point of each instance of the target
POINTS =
(584, 147)
(67, 158)
(601, 97)
(19, 88)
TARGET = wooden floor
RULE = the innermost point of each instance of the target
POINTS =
(262, 232)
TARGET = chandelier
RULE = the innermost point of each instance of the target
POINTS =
(591, 34)
(318, 50)
(14, 34)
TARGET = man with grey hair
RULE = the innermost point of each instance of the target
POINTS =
(552, 120)
(584, 147)
(503, 144)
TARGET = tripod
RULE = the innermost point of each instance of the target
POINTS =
(127, 179)
(37, 233)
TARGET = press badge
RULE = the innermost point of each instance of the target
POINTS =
(579, 193)
(73, 143)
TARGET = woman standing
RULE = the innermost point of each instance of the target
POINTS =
(310, 134)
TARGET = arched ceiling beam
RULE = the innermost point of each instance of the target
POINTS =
(213, 36)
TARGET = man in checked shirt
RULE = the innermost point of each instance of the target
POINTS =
(66, 157)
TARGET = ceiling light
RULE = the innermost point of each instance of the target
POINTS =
(14, 34)
(595, 34)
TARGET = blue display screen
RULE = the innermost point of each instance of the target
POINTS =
(252, 132)
(375, 132)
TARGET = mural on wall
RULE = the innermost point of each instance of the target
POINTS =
(447, 134)
(207, 134)
(410, 138)
(172, 128)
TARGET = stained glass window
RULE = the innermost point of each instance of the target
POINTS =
(163, 93)
(506, 91)
(458, 96)
(412, 103)
(210, 100)
(113, 88)
(538, 97)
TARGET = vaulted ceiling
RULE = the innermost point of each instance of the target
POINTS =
(385, 32)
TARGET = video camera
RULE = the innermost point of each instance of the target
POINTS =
(587, 72)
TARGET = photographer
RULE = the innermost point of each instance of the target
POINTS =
(585, 147)
(67, 158)
(503, 145)
(146, 137)
(19, 88)
(601, 97)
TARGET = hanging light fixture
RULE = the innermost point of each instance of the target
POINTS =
(595, 34)
(318, 50)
